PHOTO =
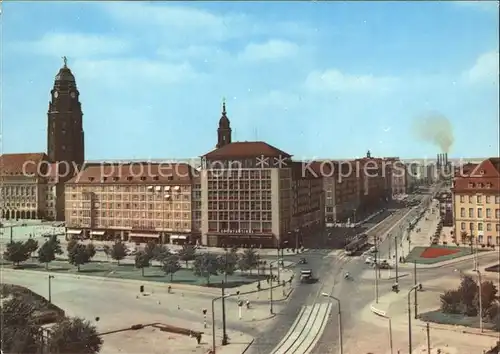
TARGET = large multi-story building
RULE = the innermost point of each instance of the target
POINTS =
(246, 192)
(135, 201)
(374, 182)
(32, 184)
(476, 203)
(308, 204)
(340, 188)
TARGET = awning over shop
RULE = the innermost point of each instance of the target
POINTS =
(132, 234)
(73, 232)
(178, 237)
(97, 233)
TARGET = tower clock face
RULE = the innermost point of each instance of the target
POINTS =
(56, 94)
(73, 95)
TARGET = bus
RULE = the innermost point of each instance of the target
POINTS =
(358, 243)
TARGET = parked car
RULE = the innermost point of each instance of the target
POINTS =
(369, 260)
(302, 261)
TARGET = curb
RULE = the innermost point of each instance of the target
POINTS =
(152, 284)
(457, 329)
(248, 346)
(451, 261)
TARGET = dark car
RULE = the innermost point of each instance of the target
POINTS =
(302, 261)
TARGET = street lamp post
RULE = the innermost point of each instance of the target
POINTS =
(50, 288)
(341, 349)
(213, 321)
(414, 288)
(271, 287)
(480, 301)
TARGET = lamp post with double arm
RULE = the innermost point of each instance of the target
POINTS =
(341, 348)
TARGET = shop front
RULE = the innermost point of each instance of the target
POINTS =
(73, 234)
(242, 240)
(143, 237)
(179, 239)
(99, 235)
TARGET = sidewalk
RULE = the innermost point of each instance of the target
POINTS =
(448, 338)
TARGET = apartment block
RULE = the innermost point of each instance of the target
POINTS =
(476, 203)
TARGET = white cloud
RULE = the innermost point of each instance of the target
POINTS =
(74, 45)
(485, 70)
(132, 72)
(335, 81)
(269, 51)
(198, 52)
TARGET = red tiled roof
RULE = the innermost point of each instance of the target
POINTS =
(244, 149)
(136, 173)
(484, 178)
(19, 164)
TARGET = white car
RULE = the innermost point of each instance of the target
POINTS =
(369, 260)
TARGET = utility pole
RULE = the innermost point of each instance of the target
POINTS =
(224, 334)
(375, 266)
(415, 283)
(428, 337)
(397, 260)
(271, 289)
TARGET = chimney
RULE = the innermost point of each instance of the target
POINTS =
(446, 159)
(438, 158)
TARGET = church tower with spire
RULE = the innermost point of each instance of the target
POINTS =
(224, 130)
(65, 140)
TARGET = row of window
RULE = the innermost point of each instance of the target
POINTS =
(240, 227)
(105, 223)
(20, 205)
(235, 215)
(133, 215)
(17, 190)
(489, 227)
(126, 189)
(134, 197)
(244, 185)
(238, 174)
(238, 205)
(479, 199)
(242, 195)
(133, 206)
(479, 213)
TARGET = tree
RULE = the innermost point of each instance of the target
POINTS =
(206, 265)
(107, 252)
(16, 252)
(160, 252)
(46, 254)
(56, 244)
(171, 265)
(74, 336)
(187, 253)
(142, 261)
(249, 259)
(150, 249)
(31, 245)
(19, 334)
(78, 255)
(488, 294)
(90, 249)
(468, 290)
(451, 302)
(228, 263)
(71, 244)
(492, 315)
(118, 251)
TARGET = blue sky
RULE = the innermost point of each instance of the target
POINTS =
(316, 79)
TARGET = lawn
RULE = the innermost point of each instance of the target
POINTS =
(128, 271)
(435, 254)
(453, 319)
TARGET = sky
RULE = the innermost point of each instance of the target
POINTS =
(315, 79)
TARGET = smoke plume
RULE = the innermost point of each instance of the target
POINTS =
(436, 129)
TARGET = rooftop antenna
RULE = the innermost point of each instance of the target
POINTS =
(256, 133)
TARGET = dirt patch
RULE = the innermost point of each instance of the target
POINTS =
(154, 341)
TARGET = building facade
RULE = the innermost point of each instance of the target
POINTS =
(476, 203)
(136, 202)
(445, 205)
(374, 182)
(307, 208)
(246, 192)
(32, 185)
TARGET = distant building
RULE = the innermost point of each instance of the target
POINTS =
(445, 205)
(476, 202)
